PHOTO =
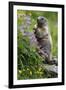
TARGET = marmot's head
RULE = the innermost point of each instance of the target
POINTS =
(42, 21)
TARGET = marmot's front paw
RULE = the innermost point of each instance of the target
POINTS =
(53, 62)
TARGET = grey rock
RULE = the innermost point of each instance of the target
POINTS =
(51, 68)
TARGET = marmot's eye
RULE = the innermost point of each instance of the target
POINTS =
(42, 18)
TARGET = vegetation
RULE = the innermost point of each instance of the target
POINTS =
(29, 61)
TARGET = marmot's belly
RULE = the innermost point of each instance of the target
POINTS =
(45, 45)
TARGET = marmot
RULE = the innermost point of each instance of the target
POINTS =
(44, 39)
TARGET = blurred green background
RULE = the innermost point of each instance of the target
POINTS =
(29, 62)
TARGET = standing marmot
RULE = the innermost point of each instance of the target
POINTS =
(43, 38)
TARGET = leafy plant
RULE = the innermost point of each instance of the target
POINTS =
(29, 60)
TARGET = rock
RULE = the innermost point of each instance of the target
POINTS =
(51, 68)
(51, 71)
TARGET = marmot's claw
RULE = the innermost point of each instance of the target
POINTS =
(53, 62)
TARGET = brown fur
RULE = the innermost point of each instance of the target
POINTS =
(44, 40)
